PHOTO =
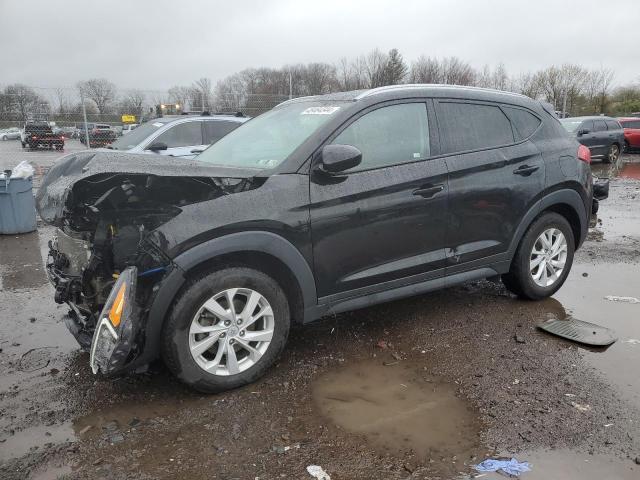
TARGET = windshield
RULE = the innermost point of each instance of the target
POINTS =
(267, 140)
(135, 137)
(570, 125)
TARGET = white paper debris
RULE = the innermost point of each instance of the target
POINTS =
(614, 298)
(319, 110)
(318, 473)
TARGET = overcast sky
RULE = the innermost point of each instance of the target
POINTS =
(154, 44)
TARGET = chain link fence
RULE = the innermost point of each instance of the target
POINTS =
(72, 106)
(39, 125)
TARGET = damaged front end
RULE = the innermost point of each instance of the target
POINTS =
(107, 258)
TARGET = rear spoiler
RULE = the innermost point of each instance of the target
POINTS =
(550, 109)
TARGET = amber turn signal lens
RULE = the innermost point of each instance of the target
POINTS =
(115, 313)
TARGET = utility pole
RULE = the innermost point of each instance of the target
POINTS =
(290, 85)
(84, 115)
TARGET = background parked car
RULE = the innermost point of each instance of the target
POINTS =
(602, 135)
(100, 134)
(40, 134)
(12, 133)
(182, 136)
(631, 128)
(129, 128)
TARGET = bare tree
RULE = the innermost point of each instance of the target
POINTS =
(425, 70)
(202, 88)
(133, 102)
(24, 101)
(318, 78)
(457, 72)
(375, 63)
(179, 94)
(99, 90)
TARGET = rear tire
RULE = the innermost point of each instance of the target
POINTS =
(202, 311)
(614, 153)
(552, 265)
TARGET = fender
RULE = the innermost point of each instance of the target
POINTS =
(257, 241)
(564, 196)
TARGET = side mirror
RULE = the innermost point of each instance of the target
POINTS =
(157, 147)
(338, 158)
(584, 131)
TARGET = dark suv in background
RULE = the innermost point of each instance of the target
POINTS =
(603, 136)
(322, 205)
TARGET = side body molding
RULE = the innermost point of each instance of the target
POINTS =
(257, 241)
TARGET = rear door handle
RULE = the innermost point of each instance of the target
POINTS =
(525, 170)
(429, 191)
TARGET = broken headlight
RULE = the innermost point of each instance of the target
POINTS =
(113, 336)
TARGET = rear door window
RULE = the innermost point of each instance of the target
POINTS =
(524, 122)
(612, 125)
(587, 125)
(214, 130)
(631, 124)
(182, 135)
(471, 126)
(389, 136)
(599, 126)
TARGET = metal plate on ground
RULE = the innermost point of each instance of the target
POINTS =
(579, 331)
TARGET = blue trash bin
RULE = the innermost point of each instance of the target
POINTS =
(17, 205)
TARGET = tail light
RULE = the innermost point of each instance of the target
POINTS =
(584, 154)
(33, 137)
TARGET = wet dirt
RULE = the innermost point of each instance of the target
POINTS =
(398, 407)
(514, 386)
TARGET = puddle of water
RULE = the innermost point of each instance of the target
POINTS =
(121, 417)
(583, 297)
(400, 408)
(23, 441)
(569, 465)
(21, 264)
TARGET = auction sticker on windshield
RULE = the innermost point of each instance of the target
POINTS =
(319, 110)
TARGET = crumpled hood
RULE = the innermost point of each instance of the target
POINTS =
(57, 184)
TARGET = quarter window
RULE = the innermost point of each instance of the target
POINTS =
(389, 135)
(612, 125)
(523, 122)
(182, 135)
(470, 126)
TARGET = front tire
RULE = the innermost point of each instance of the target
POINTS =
(543, 258)
(225, 329)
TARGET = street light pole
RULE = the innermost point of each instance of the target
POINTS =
(84, 115)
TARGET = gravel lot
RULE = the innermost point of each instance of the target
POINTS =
(419, 388)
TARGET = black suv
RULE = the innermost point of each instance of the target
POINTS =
(603, 136)
(322, 205)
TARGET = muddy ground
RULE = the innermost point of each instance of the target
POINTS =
(419, 388)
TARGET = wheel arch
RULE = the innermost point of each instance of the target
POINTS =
(566, 202)
(264, 251)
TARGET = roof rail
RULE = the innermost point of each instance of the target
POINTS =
(387, 88)
(206, 113)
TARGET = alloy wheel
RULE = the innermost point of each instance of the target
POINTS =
(231, 331)
(548, 257)
(614, 152)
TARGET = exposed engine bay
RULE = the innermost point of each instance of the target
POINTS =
(104, 222)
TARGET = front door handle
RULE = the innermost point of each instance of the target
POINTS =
(525, 170)
(429, 191)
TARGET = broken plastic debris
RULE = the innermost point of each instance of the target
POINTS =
(614, 298)
(579, 331)
(632, 341)
(318, 473)
(511, 467)
(581, 408)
